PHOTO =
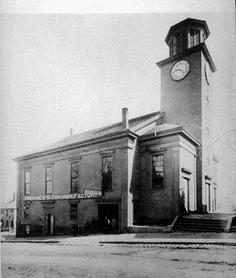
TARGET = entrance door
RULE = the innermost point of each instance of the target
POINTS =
(108, 214)
(50, 220)
(184, 193)
(214, 200)
(208, 196)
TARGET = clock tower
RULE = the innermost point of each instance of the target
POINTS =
(186, 96)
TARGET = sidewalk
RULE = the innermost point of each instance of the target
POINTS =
(186, 238)
(179, 238)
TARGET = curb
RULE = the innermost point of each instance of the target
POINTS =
(170, 243)
(30, 241)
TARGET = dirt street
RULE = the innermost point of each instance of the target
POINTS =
(60, 260)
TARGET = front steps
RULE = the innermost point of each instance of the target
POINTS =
(214, 222)
(233, 229)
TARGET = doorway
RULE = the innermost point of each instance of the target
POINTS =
(208, 196)
(108, 215)
(214, 200)
(50, 221)
(184, 194)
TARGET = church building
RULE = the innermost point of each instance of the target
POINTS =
(140, 171)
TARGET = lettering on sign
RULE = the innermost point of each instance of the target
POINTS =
(92, 192)
(87, 195)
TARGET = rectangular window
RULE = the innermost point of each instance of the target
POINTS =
(27, 182)
(75, 177)
(106, 174)
(178, 43)
(174, 46)
(183, 41)
(203, 37)
(73, 211)
(194, 37)
(158, 171)
(171, 47)
(48, 180)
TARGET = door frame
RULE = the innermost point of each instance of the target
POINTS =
(185, 189)
(208, 196)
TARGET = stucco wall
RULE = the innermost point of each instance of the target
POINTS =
(187, 170)
(90, 160)
(160, 206)
(157, 206)
(181, 100)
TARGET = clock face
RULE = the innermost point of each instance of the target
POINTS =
(180, 70)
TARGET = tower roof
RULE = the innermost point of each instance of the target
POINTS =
(186, 24)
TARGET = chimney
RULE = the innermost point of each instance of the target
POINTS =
(125, 120)
(71, 131)
(14, 197)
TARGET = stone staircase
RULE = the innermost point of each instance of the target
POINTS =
(233, 225)
(214, 222)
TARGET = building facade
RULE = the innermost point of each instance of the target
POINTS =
(141, 171)
(186, 98)
(8, 216)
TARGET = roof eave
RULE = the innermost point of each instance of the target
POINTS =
(170, 132)
(112, 136)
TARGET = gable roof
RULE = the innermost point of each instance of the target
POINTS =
(136, 125)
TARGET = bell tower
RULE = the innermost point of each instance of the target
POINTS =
(186, 95)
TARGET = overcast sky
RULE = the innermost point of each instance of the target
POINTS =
(62, 71)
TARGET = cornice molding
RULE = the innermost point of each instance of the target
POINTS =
(172, 132)
(98, 140)
(200, 47)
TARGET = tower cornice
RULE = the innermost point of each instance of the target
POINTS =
(200, 47)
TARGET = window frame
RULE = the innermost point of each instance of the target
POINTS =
(72, 178)
(187, 178)
(174, 47)
(110, 189)
(27, 192)
(48, 180)
(194, 37)
(171, 47)
(178, 37)
(158, 188)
